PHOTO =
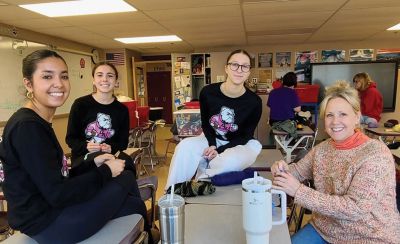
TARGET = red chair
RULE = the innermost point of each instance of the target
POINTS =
(132, 107)
(143, 114)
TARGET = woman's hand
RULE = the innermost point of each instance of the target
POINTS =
(99, 160)
(210, 152)
(105, 147)
(286, 182)
(116, 166)
(93, 146)
(279, 166)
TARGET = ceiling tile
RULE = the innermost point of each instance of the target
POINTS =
(105, 19)
(17, 13)
(177, 4)
(196, 13)
(34, 24)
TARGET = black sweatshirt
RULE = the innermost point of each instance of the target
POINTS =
(37, 186)
(90, 120)
(229, 119)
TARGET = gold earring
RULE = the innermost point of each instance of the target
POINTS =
(29, 95)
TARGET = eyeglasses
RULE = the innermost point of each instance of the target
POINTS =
(235, 67)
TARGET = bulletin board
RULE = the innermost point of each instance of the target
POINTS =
(12, 91)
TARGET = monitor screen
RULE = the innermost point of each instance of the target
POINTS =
(384, 73)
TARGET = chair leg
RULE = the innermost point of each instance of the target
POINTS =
(300, 220)
(151, 159)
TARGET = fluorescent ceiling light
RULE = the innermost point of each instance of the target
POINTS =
(395, 27)
(82, 7)
(148, 39)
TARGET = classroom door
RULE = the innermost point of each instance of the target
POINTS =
(159, 92)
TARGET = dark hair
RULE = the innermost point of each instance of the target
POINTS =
(238, 51)
(29, 63)
(290, 79)
(105, 63)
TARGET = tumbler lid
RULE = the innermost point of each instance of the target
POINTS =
(255, 185)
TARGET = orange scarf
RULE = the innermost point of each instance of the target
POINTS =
(357, 139)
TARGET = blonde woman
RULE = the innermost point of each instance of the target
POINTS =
(354, 200)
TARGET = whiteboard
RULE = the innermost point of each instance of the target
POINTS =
(12, 91)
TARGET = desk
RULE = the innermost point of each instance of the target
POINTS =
(223, 224)
(382, 133)
(217, 218)
(156, 113)
(266, 158)
(283, 139)
(224, 195)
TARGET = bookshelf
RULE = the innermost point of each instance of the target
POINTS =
(200, 72)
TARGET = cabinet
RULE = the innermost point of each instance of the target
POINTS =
(200, 72)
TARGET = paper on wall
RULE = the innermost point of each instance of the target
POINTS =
(185, 65)
(185, 80)
(177, 82)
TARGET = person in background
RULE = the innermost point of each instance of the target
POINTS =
(283, 101)
(354, 200)
(98, 122)
(46, 200)
(229, 116)
(371, 99)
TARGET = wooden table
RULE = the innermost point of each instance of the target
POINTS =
(284, 139)
(382, 133)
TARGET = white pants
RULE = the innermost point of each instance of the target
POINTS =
(188, 159)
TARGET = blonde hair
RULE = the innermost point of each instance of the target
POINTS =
(343, 90)
(364, 79)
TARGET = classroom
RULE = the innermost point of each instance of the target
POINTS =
(163, 82)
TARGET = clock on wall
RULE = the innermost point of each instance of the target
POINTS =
(95, 56)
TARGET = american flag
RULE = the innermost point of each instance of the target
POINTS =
(116, 58)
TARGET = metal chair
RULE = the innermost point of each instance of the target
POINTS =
(148, 140)
(148, 188)
(173, 140)
(5, 229)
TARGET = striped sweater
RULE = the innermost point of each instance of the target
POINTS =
(354, 200)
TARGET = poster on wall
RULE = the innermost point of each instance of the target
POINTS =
(333, 56)
(302, 67)
(283, 59)
(265, 76)
(361, 54)
(264, 60)
(280, 72)
(388, 55)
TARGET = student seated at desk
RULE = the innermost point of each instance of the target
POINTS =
(354, 200)
(229, 116)
(284, 101)
(371, 99)
(98, 122)
(45, 200)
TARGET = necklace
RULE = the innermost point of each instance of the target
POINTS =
(235, 94)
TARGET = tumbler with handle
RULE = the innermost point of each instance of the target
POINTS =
(257, 209)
